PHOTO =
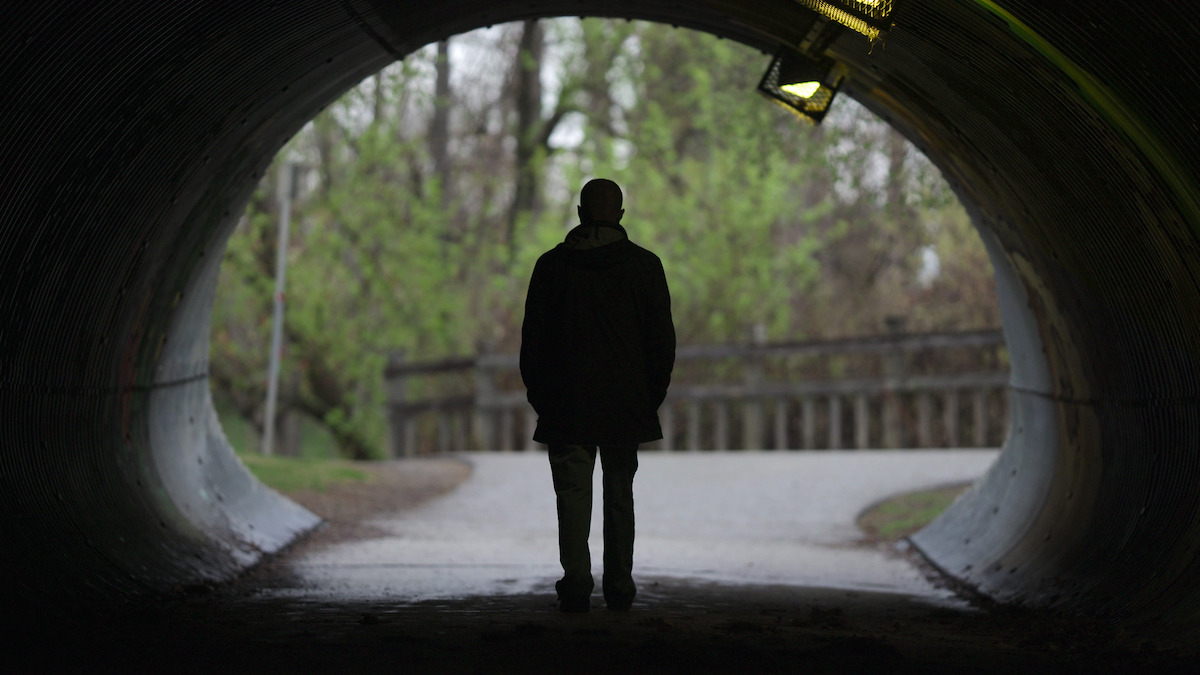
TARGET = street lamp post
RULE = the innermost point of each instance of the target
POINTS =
(286, 193)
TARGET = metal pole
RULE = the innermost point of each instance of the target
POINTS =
(287, 188)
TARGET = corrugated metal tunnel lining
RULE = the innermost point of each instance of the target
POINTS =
(133, 135)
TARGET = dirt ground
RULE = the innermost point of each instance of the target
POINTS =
(392, 487)
(676, 625)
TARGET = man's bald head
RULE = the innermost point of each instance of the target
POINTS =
(600, 201)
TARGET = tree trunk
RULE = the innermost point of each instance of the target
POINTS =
(898, 209)
(439, 126)
(377, 100)
(529, 127)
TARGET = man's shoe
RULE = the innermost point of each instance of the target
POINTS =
(574, 605)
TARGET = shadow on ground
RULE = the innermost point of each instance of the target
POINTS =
(676, 626)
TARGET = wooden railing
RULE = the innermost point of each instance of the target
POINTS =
(890, 408)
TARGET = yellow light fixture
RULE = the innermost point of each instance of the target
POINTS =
(869, 17)
(804, 90)
(803, 85)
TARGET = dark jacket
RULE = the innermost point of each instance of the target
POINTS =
(597, 344)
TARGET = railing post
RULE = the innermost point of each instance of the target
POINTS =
(1004, 409)
(752, 405)
(461, 435)
(980, 417)
(781, 424)
(506, 429)
(485, 398)
(721, 440)
(950, 418)
(411, 442)
(397, 393)
(809, 421)
(835, 422)
(443, 430)
(924, 425)
(693, 424)
(862, 423)
(668, 426)
(893, 373)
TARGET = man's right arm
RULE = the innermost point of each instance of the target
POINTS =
(533, 338)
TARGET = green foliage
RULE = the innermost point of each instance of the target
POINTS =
(710, 177)
(315, 441)
(239, 432)
(404, 243)
(903, 515)
(290, 474)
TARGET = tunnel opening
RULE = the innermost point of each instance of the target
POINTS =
(862, 236)
(128, 164)
(865, 162)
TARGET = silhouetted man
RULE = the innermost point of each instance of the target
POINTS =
(597, 349)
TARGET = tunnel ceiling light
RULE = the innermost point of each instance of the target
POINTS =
(804, 90)
(869, 17)
(801, 84)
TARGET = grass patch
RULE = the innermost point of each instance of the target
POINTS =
(902, 515)
(290, 474)
(315, 439)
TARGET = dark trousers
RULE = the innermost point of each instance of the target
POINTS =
(571, 466)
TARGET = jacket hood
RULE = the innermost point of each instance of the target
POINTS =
(596, 245)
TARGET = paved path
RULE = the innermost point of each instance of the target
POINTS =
(744, 517)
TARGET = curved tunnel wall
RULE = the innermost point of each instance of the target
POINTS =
(133, 134)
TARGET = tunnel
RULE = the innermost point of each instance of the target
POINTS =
(132, 135)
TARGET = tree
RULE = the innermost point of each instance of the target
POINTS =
(436, 183)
